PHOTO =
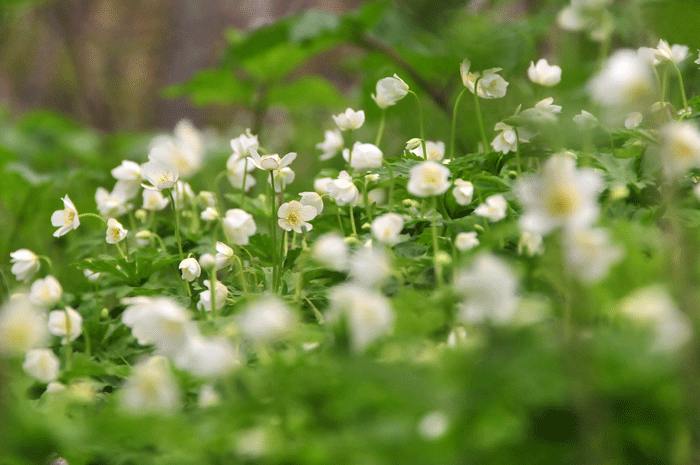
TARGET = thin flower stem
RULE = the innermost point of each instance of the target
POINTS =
(93, 215)
(88, 344)
(380, 131)
(664, 82)
(217, 180)
(680, 82)
(48, 262)
(241, 275)
(352, 222)
(436, 262)
(517, 151)
(245, 178)
(391, 184)
(454, 124)
(177, 223)
(479, 118)
(340, 221)
(121, 252)
(273, 232)
(365, 198)
(69, 347)
(420, 123)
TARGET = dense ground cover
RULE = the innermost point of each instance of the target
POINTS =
(488, 259)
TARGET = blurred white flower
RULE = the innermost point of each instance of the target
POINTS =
(436, 150)
(544, 74)
(92, 275)
(494, 208)
(22, 326)
(349, 119)
(151, 388)
(633, 120)
(389, 91)
(238, 226)
(463, 191)
(208, 397)
(490, 84)
(369, 266)
(363, 156)
(41, 364)
(160, 321)
(207, 357)
(368, 314)
(589, 254)
(321, 185)
(625, 82)
(220, 294)
(65, 219)
(68, 324)
(224, 256)
(312, 199)
(154, 200)
(113, 203)
(25, 264)
(242, 144)
(184, 151)
(531, 244)
(588, 15)
(271, 162)
(489, 289)
(160, 174)
(585, 120)
(342, 190)
(332, 144)
(115, 231)
(561, 195)
(680, 149)
(675, 53)
(128, 171)
(209, 214)
(283, 177)
(466, 240)
(386, 228)
(45, 292)
(428, 178)
(433, 425)
(266, 320)
(332, 251)
(295, 216)
(238, 171)
(190, 269)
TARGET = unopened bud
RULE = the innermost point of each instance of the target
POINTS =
(413, 144)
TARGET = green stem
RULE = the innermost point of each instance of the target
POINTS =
(479, 118)
(380, 131)
(391, 184)
(177, 223)
(454, 124)
(48, 262)
(245, 178)
(340, 221)
(352, 221)
(664, 81)
(680, 82)
(365, 198)
(517, 150)
(420, 123)
(93, 215)
(273, 232)
(436, 263)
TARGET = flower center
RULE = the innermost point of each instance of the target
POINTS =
(68, 217)
(562, 202)
(293, 218)
(681, 150)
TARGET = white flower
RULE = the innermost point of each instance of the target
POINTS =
(295, 216)
(160, 174)
(589, 15)
(41, 364)
(65, 219)
(343, 191)
(224, 256)
(547, 109)
(332, 144)
(45, 292)
(463, 191)
(115, 231)
(544, 74)
(321, 185)
(22, 326)
(208, 397)
(436, 150)
(561, 195)
(589, 254)
(151, 388)
(350, 119)
(128, 171)
(182, 192)
(665, 52)
(54, 387)
(428, 178)
(242, 144)
(66, 324)
(332, 251)
(283, 177)
(680, 149)
(91, 275)
(154, 200)
(363, 156)
(506, 141)
(433, 425)
(312, 199)
(207, 357)
(368, 314)
(466, 240)
(237, 171)
(531, 244)
(386, 228)
(111, 203)
(238, 226)
(585, 120)
(220, 295)
(190, 269)
(626, 81)
(494, 208)
(207, 261)
(266, 320)
(633, 120)
(25, 264)
(490, 85)
(369, 266)
(210, 214)
(389, 91)
(489, 290)
(271, 162)
(160, 321)
(184, 151)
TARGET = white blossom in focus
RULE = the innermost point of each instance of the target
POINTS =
(41, 364)
(242, 144)
(224, 255)
(294, 216)
(675, 53)
(283, 177)
(113, 203)
(389, 91)
(65, 219)
(271, 162)
(115, 231)
(490, 84)
(68, 324)
(238, 226)
(343, 191)
(544, 74)
(349, 119)
(160, 174)
(506, 141)
(436, 150)
(312, 199)
(190, 269)
(321, 185)
(25, 264)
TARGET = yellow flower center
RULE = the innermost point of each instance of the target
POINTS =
(114, 234)
(68, 217)
(681, 150)
(562, 202)
(293, 218)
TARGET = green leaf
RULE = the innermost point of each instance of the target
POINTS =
(212, 86)
(304, 92)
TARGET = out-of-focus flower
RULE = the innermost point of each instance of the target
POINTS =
(675, 53)
(208, 397)
(242, 144)
(115, 231)
(45, 292)
(22, 326)
(267, 320)
(436, 150)
(561, 195)
(386, 228)
(207, 357)
(41, 364)
(490, 84)
(190, 269)
(433, 425)
(332, 251)
(160, 174)
(151, 388)
(633, 120)
(530, 244)
(544, 74)
(271, 162)
(237, 172)
(586, 121)
(283, 177)
(363, 156)
(332, 144)
(25, 264)
(588, 15)
(349, 119)
(224, 256)
(489, 290)
(160, 321)
(68, 324)
(428, 178)
(389, 91)
(463, 191)
(494, 208)
(65, 219)
(91, 275)
(184, 151)
(113, 203)
(128, 171)
(369, 266)
(321, 185)
(680, 149)
(367, 312)
(154, 200)
(210, 214)
(239, 225)
(342, 190)
(625, 82)
(312, 199)
(466, 240)
(295, 216)
(220, 295)
(589, 255)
